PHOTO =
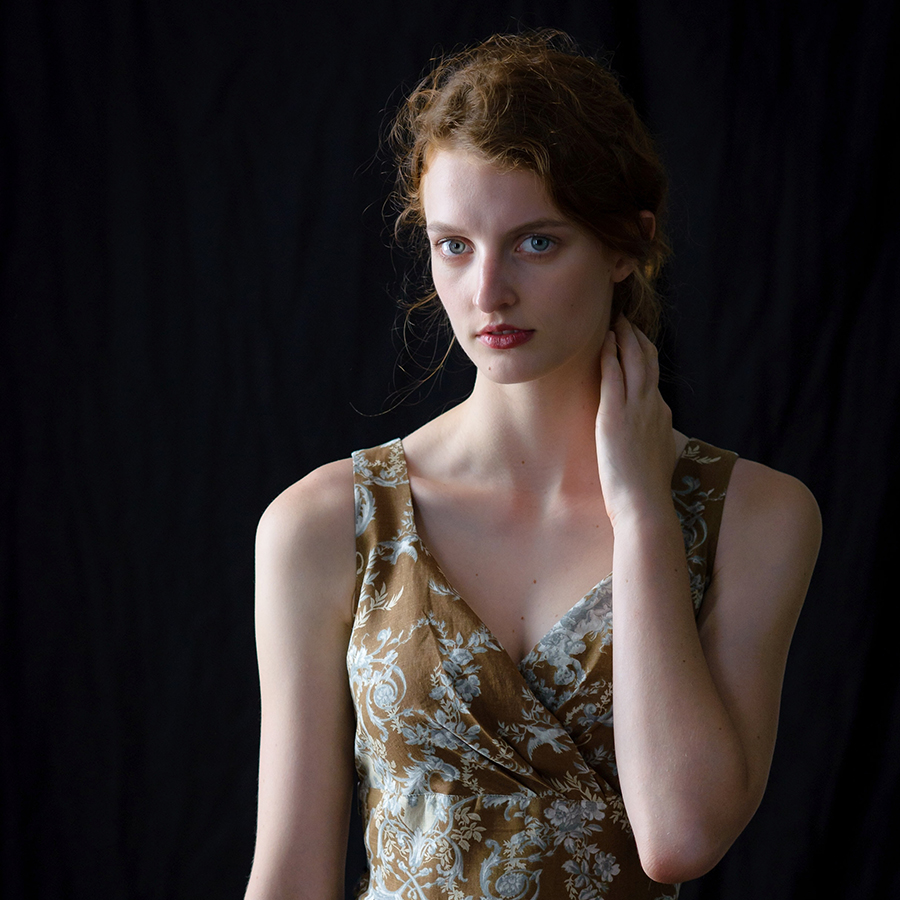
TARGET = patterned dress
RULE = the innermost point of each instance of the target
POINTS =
(480, 778)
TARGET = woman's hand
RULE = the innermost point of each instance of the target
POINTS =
(635, 441)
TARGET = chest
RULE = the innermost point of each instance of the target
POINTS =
(518, 565)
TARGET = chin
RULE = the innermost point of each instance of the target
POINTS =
(505, 372)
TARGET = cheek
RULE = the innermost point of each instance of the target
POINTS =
(450, 291)
(448, 304)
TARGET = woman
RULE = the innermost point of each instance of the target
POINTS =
(482, 699)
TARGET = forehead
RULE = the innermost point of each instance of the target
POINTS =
(461, 188)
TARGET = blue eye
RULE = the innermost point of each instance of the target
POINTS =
(537, 243)
(453, 247)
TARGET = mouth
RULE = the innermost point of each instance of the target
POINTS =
(504, 337)
(503, 329)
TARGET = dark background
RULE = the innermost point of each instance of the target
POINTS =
(197, 310)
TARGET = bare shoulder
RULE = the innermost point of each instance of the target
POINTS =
(768, 543)
(305, 542)
(772, 506)
(320, 500)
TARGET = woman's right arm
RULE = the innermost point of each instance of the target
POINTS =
(305, 579)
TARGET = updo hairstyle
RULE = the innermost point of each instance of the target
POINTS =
(534, 102)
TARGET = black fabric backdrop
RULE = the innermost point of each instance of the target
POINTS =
(198, 303)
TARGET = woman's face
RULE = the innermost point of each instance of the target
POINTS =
(528, 292)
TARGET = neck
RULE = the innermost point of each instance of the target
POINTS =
(528, 435)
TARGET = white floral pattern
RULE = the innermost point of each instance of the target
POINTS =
(478, 778)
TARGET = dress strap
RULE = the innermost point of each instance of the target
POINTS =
(383, 502)
(699, 485)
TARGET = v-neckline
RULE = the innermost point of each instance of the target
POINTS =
(535, 650)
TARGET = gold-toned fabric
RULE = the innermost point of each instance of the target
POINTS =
(480, 778)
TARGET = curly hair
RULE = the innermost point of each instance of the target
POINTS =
(534, 101)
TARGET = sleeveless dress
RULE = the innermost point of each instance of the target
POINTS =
(479, 778)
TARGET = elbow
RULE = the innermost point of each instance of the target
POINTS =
(669, 865)
(683, 853)
(684, 840)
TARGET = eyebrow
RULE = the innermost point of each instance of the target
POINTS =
(536, 225)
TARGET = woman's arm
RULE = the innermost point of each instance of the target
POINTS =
(695, 712)
(305, 580)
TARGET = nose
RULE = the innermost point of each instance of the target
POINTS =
(494, 287)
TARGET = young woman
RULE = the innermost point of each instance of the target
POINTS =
(458, 641)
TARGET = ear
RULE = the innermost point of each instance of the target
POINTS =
(622, 268)
(624, 265)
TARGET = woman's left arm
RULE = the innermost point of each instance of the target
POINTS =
(696, 708)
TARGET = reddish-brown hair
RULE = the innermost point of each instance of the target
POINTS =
(533, 101)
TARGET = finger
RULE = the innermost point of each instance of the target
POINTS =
(651, 354)
(631, 356)
(612, 380)
(609, 355)
(646, 344)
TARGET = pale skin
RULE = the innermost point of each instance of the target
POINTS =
(553, 473)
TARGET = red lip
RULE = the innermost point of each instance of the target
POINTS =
(504, 337)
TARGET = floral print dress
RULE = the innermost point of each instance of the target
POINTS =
(479, 778)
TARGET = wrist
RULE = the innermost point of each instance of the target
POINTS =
(644, 512)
